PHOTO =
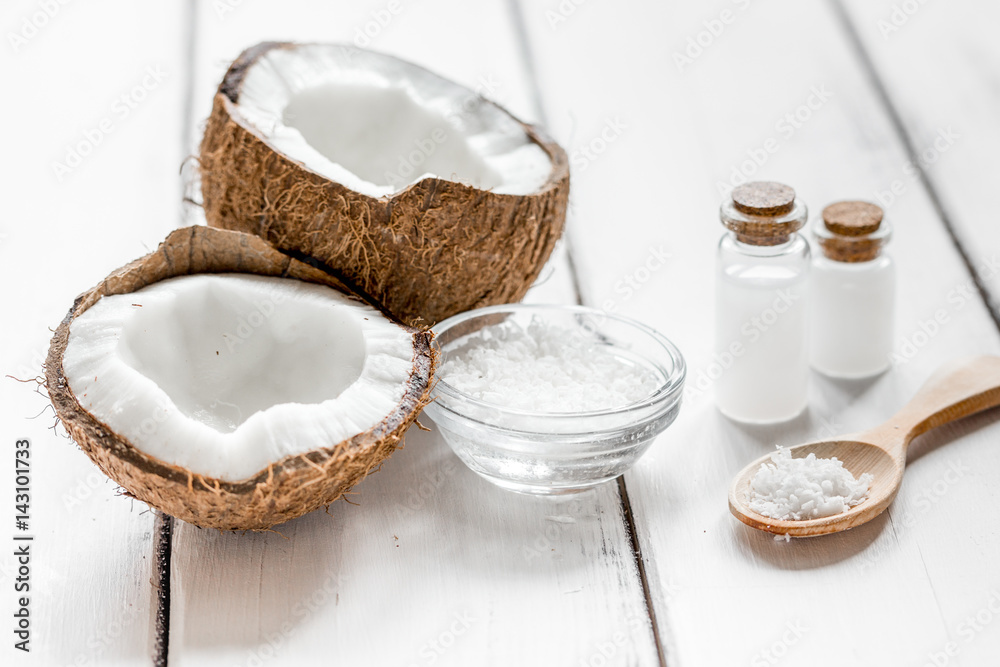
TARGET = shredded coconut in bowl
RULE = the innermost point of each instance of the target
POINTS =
(791, 489)
(543, 367)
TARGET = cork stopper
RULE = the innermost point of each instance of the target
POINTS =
(765, 198)
(852, 218)
(852, 231)
(763, 213)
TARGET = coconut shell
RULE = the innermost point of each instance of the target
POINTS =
(288, 488)
(434, 249)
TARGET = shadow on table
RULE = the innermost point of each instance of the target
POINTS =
(811, 426)
(939, 437)
(806, 553)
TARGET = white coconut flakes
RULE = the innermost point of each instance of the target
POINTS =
(798, 489)
(543, 367)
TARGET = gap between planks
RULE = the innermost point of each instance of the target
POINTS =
(896, 120)
(163, 535)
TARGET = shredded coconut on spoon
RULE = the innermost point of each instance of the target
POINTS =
(791, 489)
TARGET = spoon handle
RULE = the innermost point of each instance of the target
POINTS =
(958, 389)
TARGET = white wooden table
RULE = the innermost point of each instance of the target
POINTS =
(428, 564)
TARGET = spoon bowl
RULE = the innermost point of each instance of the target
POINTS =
(858, 457)
(958, 389)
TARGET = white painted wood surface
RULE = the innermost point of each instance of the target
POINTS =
(433, 565)
(891, 592)
(940, 65)
(90, 572)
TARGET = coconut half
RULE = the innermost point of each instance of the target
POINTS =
(425, 195)
(232, 386)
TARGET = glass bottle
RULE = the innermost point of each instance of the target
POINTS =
(854, 292)
(761, 320)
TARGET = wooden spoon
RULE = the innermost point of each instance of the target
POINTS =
(956, 390)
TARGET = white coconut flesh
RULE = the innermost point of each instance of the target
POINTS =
(376, 124)
(226, 374)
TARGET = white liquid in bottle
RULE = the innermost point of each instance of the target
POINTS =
(761, 315)
(854, 292)
(761, 322)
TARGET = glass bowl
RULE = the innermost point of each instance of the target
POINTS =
(550, 453)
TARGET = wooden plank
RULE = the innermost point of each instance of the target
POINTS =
(654, 135)
(953, 136)
(432, 564)
(97, 88)
(938, 65)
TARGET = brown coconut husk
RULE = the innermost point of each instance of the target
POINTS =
(286, 489)
(435, 249)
